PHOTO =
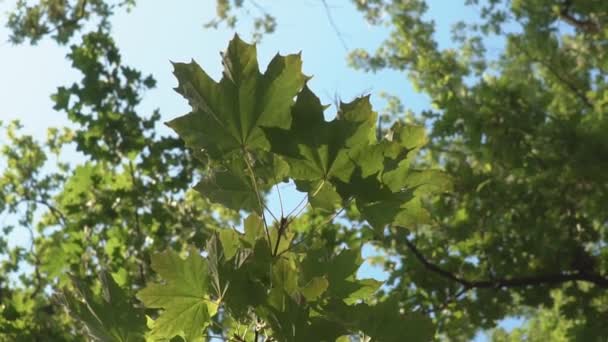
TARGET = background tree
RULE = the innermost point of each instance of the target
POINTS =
(524, 136)
(130, 197)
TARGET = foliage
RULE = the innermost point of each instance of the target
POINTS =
(551, 323)
(285, 280)
(229, 11)
(128, 198)
(62, 19)
(33, 20)
(547, 323)
(522, 131)
(269, 279)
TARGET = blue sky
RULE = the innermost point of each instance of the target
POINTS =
(157, 32)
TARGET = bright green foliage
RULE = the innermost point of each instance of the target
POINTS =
(61, 19)
(544, 324)
(381, 323)
(551, 323)
(319, 150)
(228, 116)
(287, 286)
(287, 280)
(130, 198)
(183, 296)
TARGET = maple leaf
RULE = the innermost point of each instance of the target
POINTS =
(183, 296)
(227, 115)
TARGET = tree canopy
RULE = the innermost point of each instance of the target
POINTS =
(498, 211)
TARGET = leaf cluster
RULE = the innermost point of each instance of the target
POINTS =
(268, 279)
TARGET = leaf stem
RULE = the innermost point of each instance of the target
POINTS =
(282, 226)
(270, 212)
(311, 233)
(257, 193)
(307, 197)
(280, 199)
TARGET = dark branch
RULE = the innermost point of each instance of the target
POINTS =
(539, 280)
(59, 216)
(587, 26)
(138, 231)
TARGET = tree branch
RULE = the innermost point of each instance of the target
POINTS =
(587, 26)
(140, 236)
(538, 280)
(59, 216)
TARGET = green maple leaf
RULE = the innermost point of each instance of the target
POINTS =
(385, 188)
(230, 242)
(317, 151)
(323, 195)
(337, 275)
(227, 115)
(383, 322)
(254, 230)
(376, 202)
(314, 288)
(231, 188)
(183, 296)
(109, 317)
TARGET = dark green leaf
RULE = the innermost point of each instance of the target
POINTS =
(110, 316)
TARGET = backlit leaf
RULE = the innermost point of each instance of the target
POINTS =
(227, 115)
(183, 296)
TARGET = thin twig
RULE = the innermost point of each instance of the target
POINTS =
(306, 197)
(270, 212)
(280, 199)
(56, 212)
(330, 18)
(282, 227)
(298, 205)
(259, 7)
(313, 230)
(257, 193)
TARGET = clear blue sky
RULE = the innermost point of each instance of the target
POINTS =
(156, 32)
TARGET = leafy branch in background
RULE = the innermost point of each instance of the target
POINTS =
(517, 121)
(228, 12)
